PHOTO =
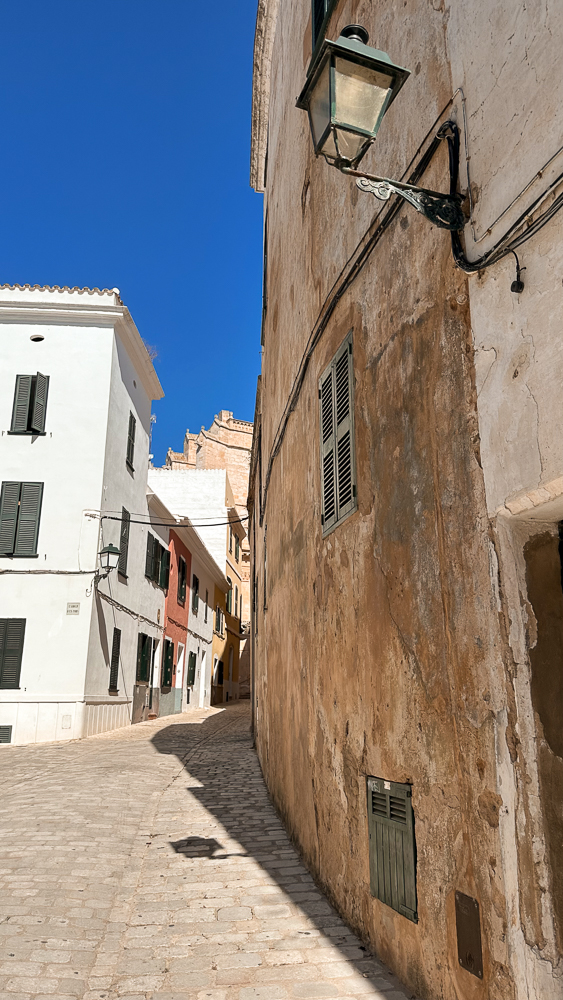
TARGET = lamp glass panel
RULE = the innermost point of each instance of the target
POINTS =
(329, 148)
(349, 144)
(360, 94)
(319, 104)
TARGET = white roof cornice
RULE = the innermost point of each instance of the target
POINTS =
(81, 313)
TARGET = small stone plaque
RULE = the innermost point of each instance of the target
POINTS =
(73, 609)
(468, 927)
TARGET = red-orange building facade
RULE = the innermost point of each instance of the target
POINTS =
(173, 661)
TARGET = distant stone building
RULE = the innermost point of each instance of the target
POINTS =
(226, 445)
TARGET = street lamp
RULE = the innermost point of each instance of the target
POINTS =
(348, 90)
(109, 558)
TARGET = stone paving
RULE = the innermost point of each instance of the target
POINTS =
(149, 864)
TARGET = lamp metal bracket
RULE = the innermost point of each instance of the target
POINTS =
(444, 210)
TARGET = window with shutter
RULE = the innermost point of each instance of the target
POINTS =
(149, 558)
(195, 594)
(237, 548)
(236, 602)
(230, 596)
(206, 605)
(114, 662)
(20, 510)
(168, 663)
(131, 442)
(191, 669)
(336, 417)
(12, 633)
(144, 650)
(164, 578)
(124, 541)
(39, 407)
(30, 404)
(182, 575)
(392, 847)
(22, 401)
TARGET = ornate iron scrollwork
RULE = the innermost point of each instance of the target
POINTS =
(442, 209)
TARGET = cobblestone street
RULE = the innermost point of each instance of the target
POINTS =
(148, 863)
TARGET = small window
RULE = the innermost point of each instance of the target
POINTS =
(5, 734)
(230, 539)
(236, 602)
(219, 620)
(131, 442)
(230, 596)
(336, 411)
(392, 848)
(195, 594)
(206, 605)
(114, 663)
(20, 510)
(157, 562)
(191, 669)
(167, 664)
(144, 654)
(30, 404)
(237, 548)
(12, 633)
(182, 579)
(124, 541)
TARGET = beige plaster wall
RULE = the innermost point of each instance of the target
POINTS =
(399, 645)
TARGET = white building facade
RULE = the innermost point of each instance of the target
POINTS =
(76, 385)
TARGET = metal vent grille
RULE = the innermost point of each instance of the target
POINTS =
(392, 849)
(5, 734)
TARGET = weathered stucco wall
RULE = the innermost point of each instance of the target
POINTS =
(402, 646)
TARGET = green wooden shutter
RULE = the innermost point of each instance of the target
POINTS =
(20, 411)
(237, 548)
(182, 575)
(131, 440)
(338, 465)
(191, 669)
(144, 646)
(149, 558)
(124, 541)
(345, 458)
(195, 594)
(164, 577)
(328, 465)
(39, 409)
(392, 848)
(29, 513)
(114, 663)
(139, 655)
(168, 663)
(230, 596)
(12, 633)
(9, 505)
(157, 559)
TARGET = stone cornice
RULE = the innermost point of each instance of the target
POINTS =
(266, 20)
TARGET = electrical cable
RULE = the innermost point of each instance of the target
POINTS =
(172, 524)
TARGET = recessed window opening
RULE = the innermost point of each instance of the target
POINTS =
(37, 338)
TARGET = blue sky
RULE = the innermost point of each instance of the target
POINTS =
(124, 162)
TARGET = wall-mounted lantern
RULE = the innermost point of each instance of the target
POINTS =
(109, 558)
(348, 90)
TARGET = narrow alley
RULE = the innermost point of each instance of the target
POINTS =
(147, 863)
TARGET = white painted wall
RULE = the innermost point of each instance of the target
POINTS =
(90, 394)
(200, 494)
